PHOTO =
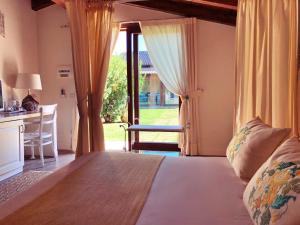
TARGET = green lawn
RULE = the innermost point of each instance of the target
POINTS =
(113, 131)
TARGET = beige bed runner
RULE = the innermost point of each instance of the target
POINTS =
(109, 189)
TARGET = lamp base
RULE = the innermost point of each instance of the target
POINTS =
(29, 103)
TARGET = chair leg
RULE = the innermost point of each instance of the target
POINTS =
(32, 151)
(53, 149)
(42, 154)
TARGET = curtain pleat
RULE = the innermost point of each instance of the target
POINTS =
(91, 32)
(266, 62)
(100, 33)
(79, 35)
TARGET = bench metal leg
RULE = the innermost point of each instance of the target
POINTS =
(125, 137)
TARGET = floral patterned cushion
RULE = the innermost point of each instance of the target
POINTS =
(237, 141)
(272, 196)
(252, 146)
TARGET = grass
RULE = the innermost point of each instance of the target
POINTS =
(160, 116)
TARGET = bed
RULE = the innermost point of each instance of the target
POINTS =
(128, 188)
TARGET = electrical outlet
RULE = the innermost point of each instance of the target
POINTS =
(63, 93)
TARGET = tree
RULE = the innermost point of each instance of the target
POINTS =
(115, 95)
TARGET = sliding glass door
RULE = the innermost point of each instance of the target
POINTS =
(149, 102)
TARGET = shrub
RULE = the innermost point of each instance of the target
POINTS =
(114, 107)
(115, 94)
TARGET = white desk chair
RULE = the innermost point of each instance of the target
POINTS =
(44, 132)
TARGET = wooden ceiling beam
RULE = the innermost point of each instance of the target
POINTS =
(192, 9)
(225, 2)
(220, 11)
(59, 2)
(216, 3)
(40, 4)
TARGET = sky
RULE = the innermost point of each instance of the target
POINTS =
(121, 44)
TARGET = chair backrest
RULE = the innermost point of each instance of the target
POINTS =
(48, 115)
(48, 111)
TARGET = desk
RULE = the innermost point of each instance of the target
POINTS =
(158, 146)
(12, 142)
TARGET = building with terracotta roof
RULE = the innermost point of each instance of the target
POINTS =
(154, 93)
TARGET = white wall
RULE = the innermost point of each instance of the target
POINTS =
(54, 46)
(18, 50)
(216, 70)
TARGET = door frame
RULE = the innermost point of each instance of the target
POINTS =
(133, 30)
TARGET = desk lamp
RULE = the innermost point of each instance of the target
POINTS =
(29, 82)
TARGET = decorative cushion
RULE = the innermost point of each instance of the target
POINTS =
(272, 197)
(252, 146)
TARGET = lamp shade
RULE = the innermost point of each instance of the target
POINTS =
(29, 81)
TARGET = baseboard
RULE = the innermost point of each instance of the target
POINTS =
(65, 151)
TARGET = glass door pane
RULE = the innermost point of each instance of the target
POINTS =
(158, 106)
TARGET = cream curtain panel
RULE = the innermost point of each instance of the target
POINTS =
(75, 119)
(91, 32)
(78, 24)
(266, 62)
(99, 16)
(173, 50)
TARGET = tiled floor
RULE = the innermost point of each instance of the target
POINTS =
(64, 158)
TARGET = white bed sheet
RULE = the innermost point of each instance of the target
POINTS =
(195, 191)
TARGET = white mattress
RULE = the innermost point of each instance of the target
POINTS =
(195, 191)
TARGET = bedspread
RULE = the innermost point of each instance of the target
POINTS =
(107, 188)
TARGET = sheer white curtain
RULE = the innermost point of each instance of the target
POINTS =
(172, 46)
